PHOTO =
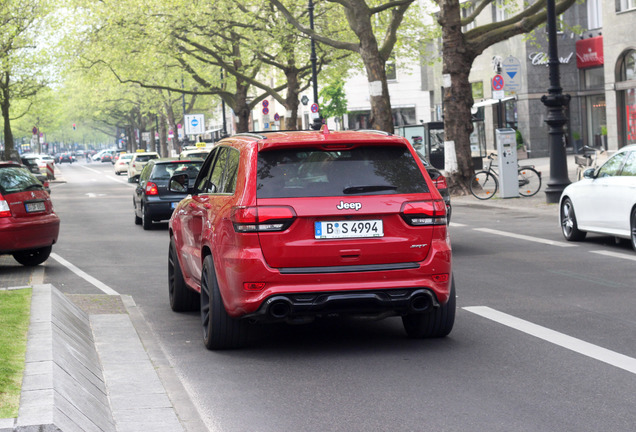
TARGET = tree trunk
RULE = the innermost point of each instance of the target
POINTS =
(242, 109)
(175, 132)
(381, 115)
(458, 98)
(291, 99)
(163, 136)
(10, 152)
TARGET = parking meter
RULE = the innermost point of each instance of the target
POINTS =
(508, 168)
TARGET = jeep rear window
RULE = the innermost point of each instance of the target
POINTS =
(373, 170)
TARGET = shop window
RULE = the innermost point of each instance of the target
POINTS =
(624, 5)
(594, 79)
(626, 85)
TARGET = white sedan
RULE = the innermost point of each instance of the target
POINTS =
(604, 201)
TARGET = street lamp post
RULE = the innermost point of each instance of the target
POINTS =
(314, 72)
(555, 101)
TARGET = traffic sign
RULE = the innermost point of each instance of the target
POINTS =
(511, 70)
(497, 82)
(265, 103)
(276, 117)
(194, 124)
(304, 100)
(314, 108)
(265, 110)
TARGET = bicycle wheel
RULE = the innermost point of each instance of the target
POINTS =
(529, 181)
(484, 185)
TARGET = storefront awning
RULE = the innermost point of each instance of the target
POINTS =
(488, 102)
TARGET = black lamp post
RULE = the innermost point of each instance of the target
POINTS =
(314, 72)
(555, 101)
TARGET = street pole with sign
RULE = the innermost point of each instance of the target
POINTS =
(314, 72)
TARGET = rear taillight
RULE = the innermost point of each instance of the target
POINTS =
(45, 183)
(151, 189)
(262, 218)
(422, 213)
(440, 182)
(5, 211)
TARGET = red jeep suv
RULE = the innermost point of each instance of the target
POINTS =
(290, 226)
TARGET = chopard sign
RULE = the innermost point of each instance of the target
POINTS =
(541, 58)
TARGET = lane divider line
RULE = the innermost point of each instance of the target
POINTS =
(108, 177)
(524, 237)
(577, 345)
(615, 254)
(88, 278)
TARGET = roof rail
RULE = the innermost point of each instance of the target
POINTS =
(381, 132)
(251, 135)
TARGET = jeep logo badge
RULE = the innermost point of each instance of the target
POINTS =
(346, 206)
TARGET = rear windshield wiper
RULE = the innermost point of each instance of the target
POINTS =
(368, 188)
(34, 186)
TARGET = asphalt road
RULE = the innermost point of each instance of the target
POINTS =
(544, 340)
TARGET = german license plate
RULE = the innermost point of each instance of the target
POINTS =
(348, 229)
(35, 207)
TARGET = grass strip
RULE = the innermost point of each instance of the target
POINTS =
(15, 312)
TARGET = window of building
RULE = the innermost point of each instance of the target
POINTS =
(467, 9)
(594, 79)
(499, 13)
(624, 5)
(594, 14)
(477, 89)
(391, 70)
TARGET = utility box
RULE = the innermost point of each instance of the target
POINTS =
(508, 168)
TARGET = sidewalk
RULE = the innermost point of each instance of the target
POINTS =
(536, 203)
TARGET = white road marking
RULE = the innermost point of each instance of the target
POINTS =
(458, 225)
(577, 345)
(88, 278)
(524, 237)
(108, 177)
(615, 254)
(90, 169)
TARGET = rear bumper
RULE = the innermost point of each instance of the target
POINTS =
(371, 303)
(350, 290)
(160, 210)
(26, 235)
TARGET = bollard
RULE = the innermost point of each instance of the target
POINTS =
(50, 170)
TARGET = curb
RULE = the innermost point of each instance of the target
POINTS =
(91, 373)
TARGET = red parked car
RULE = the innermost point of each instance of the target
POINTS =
(290, 226)
(28, 225)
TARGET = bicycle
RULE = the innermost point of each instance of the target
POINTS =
(485, 183)
(587, 160)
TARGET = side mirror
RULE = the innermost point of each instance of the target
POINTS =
(178, 183)
(588, 173)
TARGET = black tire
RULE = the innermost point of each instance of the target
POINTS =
(146, 221)
(434, 324)
(569, 227)
(137, 218)
(632, 226)
(220, 331)
(182, 298)
(484, 185)
(33, 257)
(529, 181)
